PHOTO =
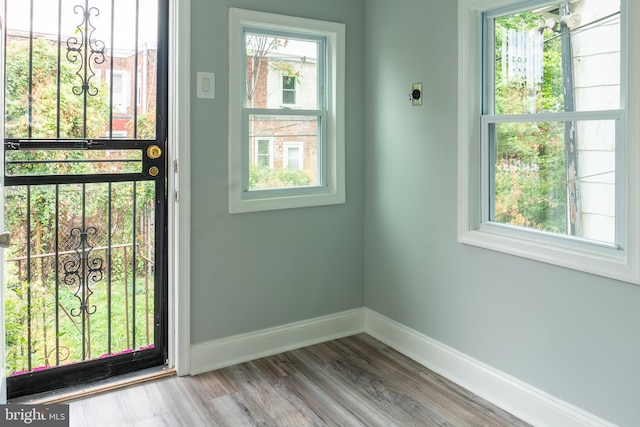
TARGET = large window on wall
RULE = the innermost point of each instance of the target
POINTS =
(548, 151)
(286, 143)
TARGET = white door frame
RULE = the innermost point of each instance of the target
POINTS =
(179, 195)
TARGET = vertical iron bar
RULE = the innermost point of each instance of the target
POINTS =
(85, 92)
(135, 75)
(134, 260)
(44, 321)
(126, 293)
(57, 272)
(147, 237)
(59, 73)
(83, 242)
(28, 277)
(113, 48)
(30, 97)
(109, 220)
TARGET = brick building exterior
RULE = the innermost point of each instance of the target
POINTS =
(133, 85)
(283, 142)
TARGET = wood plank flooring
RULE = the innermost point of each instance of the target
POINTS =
(354, 381)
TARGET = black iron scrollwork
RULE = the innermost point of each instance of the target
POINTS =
(83, 269)
(86, 50)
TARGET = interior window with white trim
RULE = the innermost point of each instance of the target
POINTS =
(552, 119)
(284, 71)
(546, 158)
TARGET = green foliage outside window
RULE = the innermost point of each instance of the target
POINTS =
(44, 95)
(261, 176)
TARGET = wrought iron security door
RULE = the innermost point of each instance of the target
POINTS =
(85, 198)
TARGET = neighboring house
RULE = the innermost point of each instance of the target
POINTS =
(595, 80)
(284, 81)
(133, 85)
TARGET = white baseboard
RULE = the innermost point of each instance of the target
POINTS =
(516, 397)
(267, 342)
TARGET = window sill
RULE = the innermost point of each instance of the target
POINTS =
(602, 260)
(265, 201)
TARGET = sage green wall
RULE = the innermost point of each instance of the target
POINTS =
(573, 335)
(257, 270)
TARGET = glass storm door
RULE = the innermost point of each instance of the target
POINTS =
(85, 197)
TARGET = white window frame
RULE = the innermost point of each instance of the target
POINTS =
(331, 189)
(285, 154)
(125, 94)
(621, 263)
(256, 151)
(294, 90)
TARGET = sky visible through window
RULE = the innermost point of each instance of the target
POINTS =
(45, 19)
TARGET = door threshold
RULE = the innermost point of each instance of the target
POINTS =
(84, 390)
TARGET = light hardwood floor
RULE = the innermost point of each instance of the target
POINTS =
(354, 381)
